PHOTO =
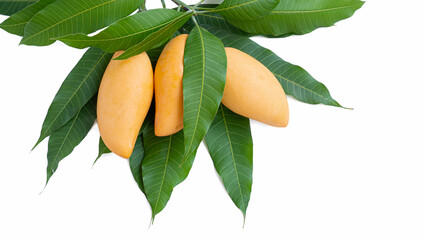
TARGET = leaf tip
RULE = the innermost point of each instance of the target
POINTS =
(37, 143)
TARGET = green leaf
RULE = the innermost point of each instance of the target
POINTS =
(135, 162)
(66, 17)
(300, 17)
(103, 149)
(212, 19)
(76, 90)
(204, 77)
(16, 23)
(63, 141)
(231, 147)
(10, 7)
(157, 38)
(160, 167)
(294, 79)
(125, 33)
(245, 9)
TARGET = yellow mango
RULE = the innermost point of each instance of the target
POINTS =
(251, 90)
(168, 88)
(124, 98)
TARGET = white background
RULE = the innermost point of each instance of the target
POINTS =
(331, 174)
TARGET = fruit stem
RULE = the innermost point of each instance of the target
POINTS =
(194, 20)
(163, 3)
(142, 7)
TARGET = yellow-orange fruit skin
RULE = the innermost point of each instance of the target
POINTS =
(124, 98)
(251, 90)
(168, 88)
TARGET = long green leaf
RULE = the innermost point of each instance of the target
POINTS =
(15, 24)
(246, 9)
(66, 17)
(125, 33)
(300, 17)
(231, 147)
(76, 90)
(294, 79)
(204, 77)
(157, 38)
(135, 162)
(63, 141)
(10, 7)
(160, 167)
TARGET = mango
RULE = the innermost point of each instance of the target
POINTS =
(124, 98)
(251, 90)
(168, 88)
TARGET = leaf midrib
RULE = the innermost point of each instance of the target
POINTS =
(233, 157)
(55, 160)
(201, 94)
(288, 80)
(66, 19)
(79, 87)
(164, 175)
(235, 6)
(126, 36)
(316, 10)
(158, 33)
(13, 25)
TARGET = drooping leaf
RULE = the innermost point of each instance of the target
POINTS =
(10, 7)
(294, 79)
(300, 17)
(204, 77)
(160, 167)
(231, 147)
(125, 33)
(66, 17)
(63, 141)
(135, 162)
(76, 90)
(157, 38)
(103, 149)
(246, 9)
(15, 24)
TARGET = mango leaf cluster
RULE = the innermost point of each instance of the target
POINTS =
(159, 164)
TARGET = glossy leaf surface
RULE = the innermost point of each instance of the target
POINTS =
(300, 17)
(76, 90)
(10, 7)
(160, 167)
(135, 162)
(204, 77)
(125, 33)
(246, 9)
(157, 38)
(63, 141)
(15, 24)
(66, 17)
(219, 22)
(231, 148)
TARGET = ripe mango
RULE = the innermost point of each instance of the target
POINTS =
(124, 98)
(251, 90)
(168, 88)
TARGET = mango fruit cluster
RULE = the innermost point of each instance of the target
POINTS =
(128, 87)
